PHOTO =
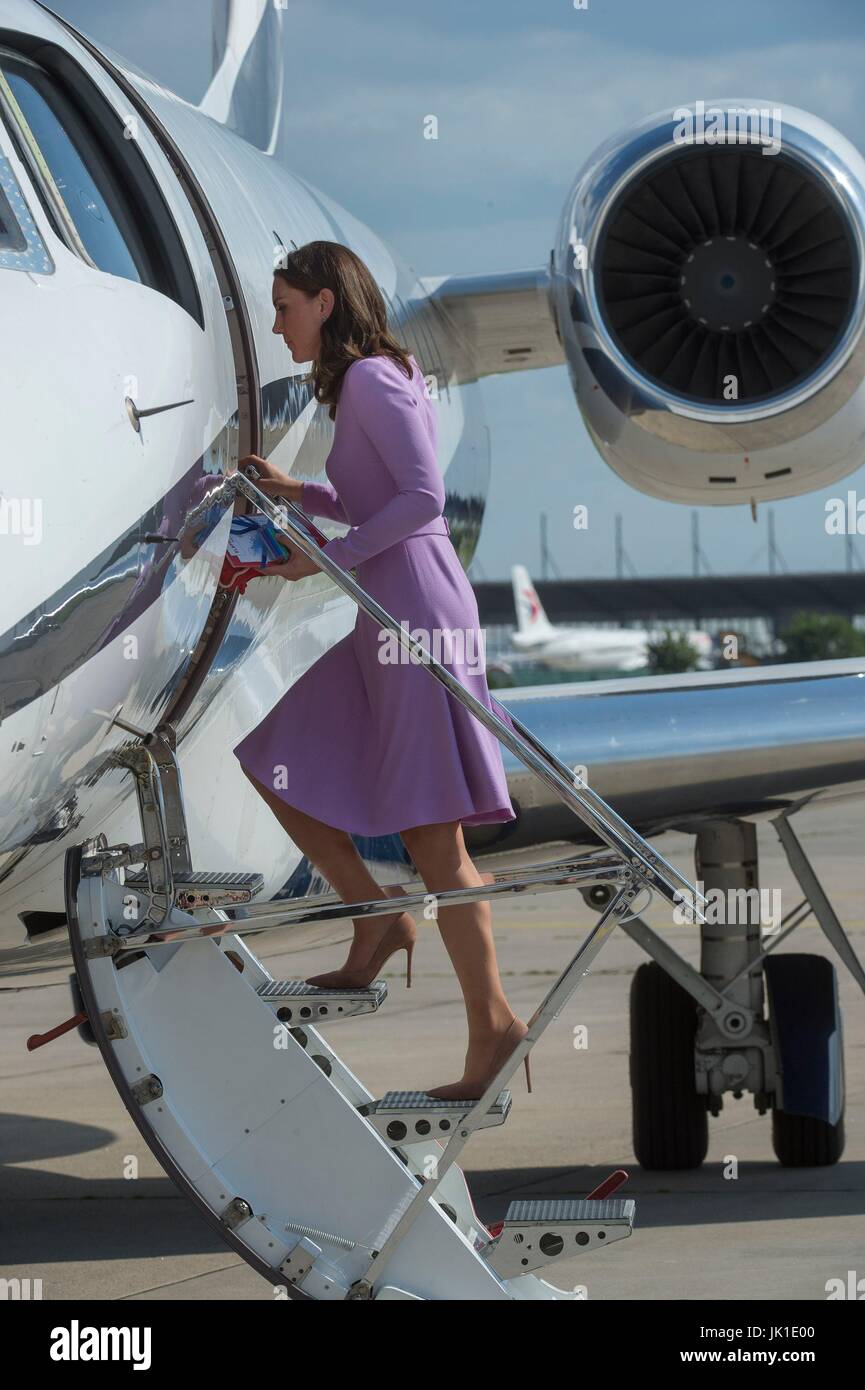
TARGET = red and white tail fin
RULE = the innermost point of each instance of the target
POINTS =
(531, 618)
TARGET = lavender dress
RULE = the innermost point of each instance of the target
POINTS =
(364, 743)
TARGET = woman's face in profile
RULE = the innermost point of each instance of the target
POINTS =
(298, 318)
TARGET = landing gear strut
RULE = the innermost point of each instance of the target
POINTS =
(750, 1019)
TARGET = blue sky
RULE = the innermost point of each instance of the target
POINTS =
(524, 93)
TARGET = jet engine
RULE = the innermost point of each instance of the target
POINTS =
(708, 284)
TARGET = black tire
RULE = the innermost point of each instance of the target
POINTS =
(802, 995)
(670, 1118)
(801, 1141)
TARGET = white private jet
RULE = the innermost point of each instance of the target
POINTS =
(138, 234)
(582, 648)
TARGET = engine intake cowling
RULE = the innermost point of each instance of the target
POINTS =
(709, 293)
(727, 262)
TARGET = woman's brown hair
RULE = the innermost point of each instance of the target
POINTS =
(357, 324)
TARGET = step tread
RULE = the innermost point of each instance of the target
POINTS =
(202, 877)
(299, 989)
(549, 1210)
(419, 1100)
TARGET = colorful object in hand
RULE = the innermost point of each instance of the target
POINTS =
(254, 543)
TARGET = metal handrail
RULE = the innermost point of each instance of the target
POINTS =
(616, 833)
(248, 920)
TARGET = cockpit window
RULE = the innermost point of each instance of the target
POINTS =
(95, 185)
(89, 201)
(21, 246)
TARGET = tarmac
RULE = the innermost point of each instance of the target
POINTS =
(85, 1208)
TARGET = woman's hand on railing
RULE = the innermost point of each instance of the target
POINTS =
(271, 480)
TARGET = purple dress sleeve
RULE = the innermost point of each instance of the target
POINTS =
(320, 499)
(382, 403)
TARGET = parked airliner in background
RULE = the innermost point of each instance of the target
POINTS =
(708, 305)
(584, 648)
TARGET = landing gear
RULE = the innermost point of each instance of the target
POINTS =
(801, 1141)
(670, 1120)
(750, 1018)
(805, 1021)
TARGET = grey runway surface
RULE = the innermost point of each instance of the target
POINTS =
(85, 1208)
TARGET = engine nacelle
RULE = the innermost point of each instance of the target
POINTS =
(709, 292)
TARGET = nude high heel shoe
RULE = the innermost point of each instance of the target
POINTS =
(469, 1089)
(400, 935)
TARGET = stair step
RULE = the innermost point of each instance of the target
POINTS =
(294, 1001)
(412, 1115)
(539, 1231)
(205, 889)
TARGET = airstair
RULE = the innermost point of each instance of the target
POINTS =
(326, 1190)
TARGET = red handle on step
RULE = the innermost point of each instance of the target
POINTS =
(604, 1189)
(608, 1186)
(40, 1039)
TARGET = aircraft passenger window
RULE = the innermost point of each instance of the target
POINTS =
(21, 246)
(97, 189)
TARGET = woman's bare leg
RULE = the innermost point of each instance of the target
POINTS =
(441, 858)
(334, 854)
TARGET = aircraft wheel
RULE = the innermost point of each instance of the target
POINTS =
(801, 1141)
(670, 1117)
(806, 1029)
